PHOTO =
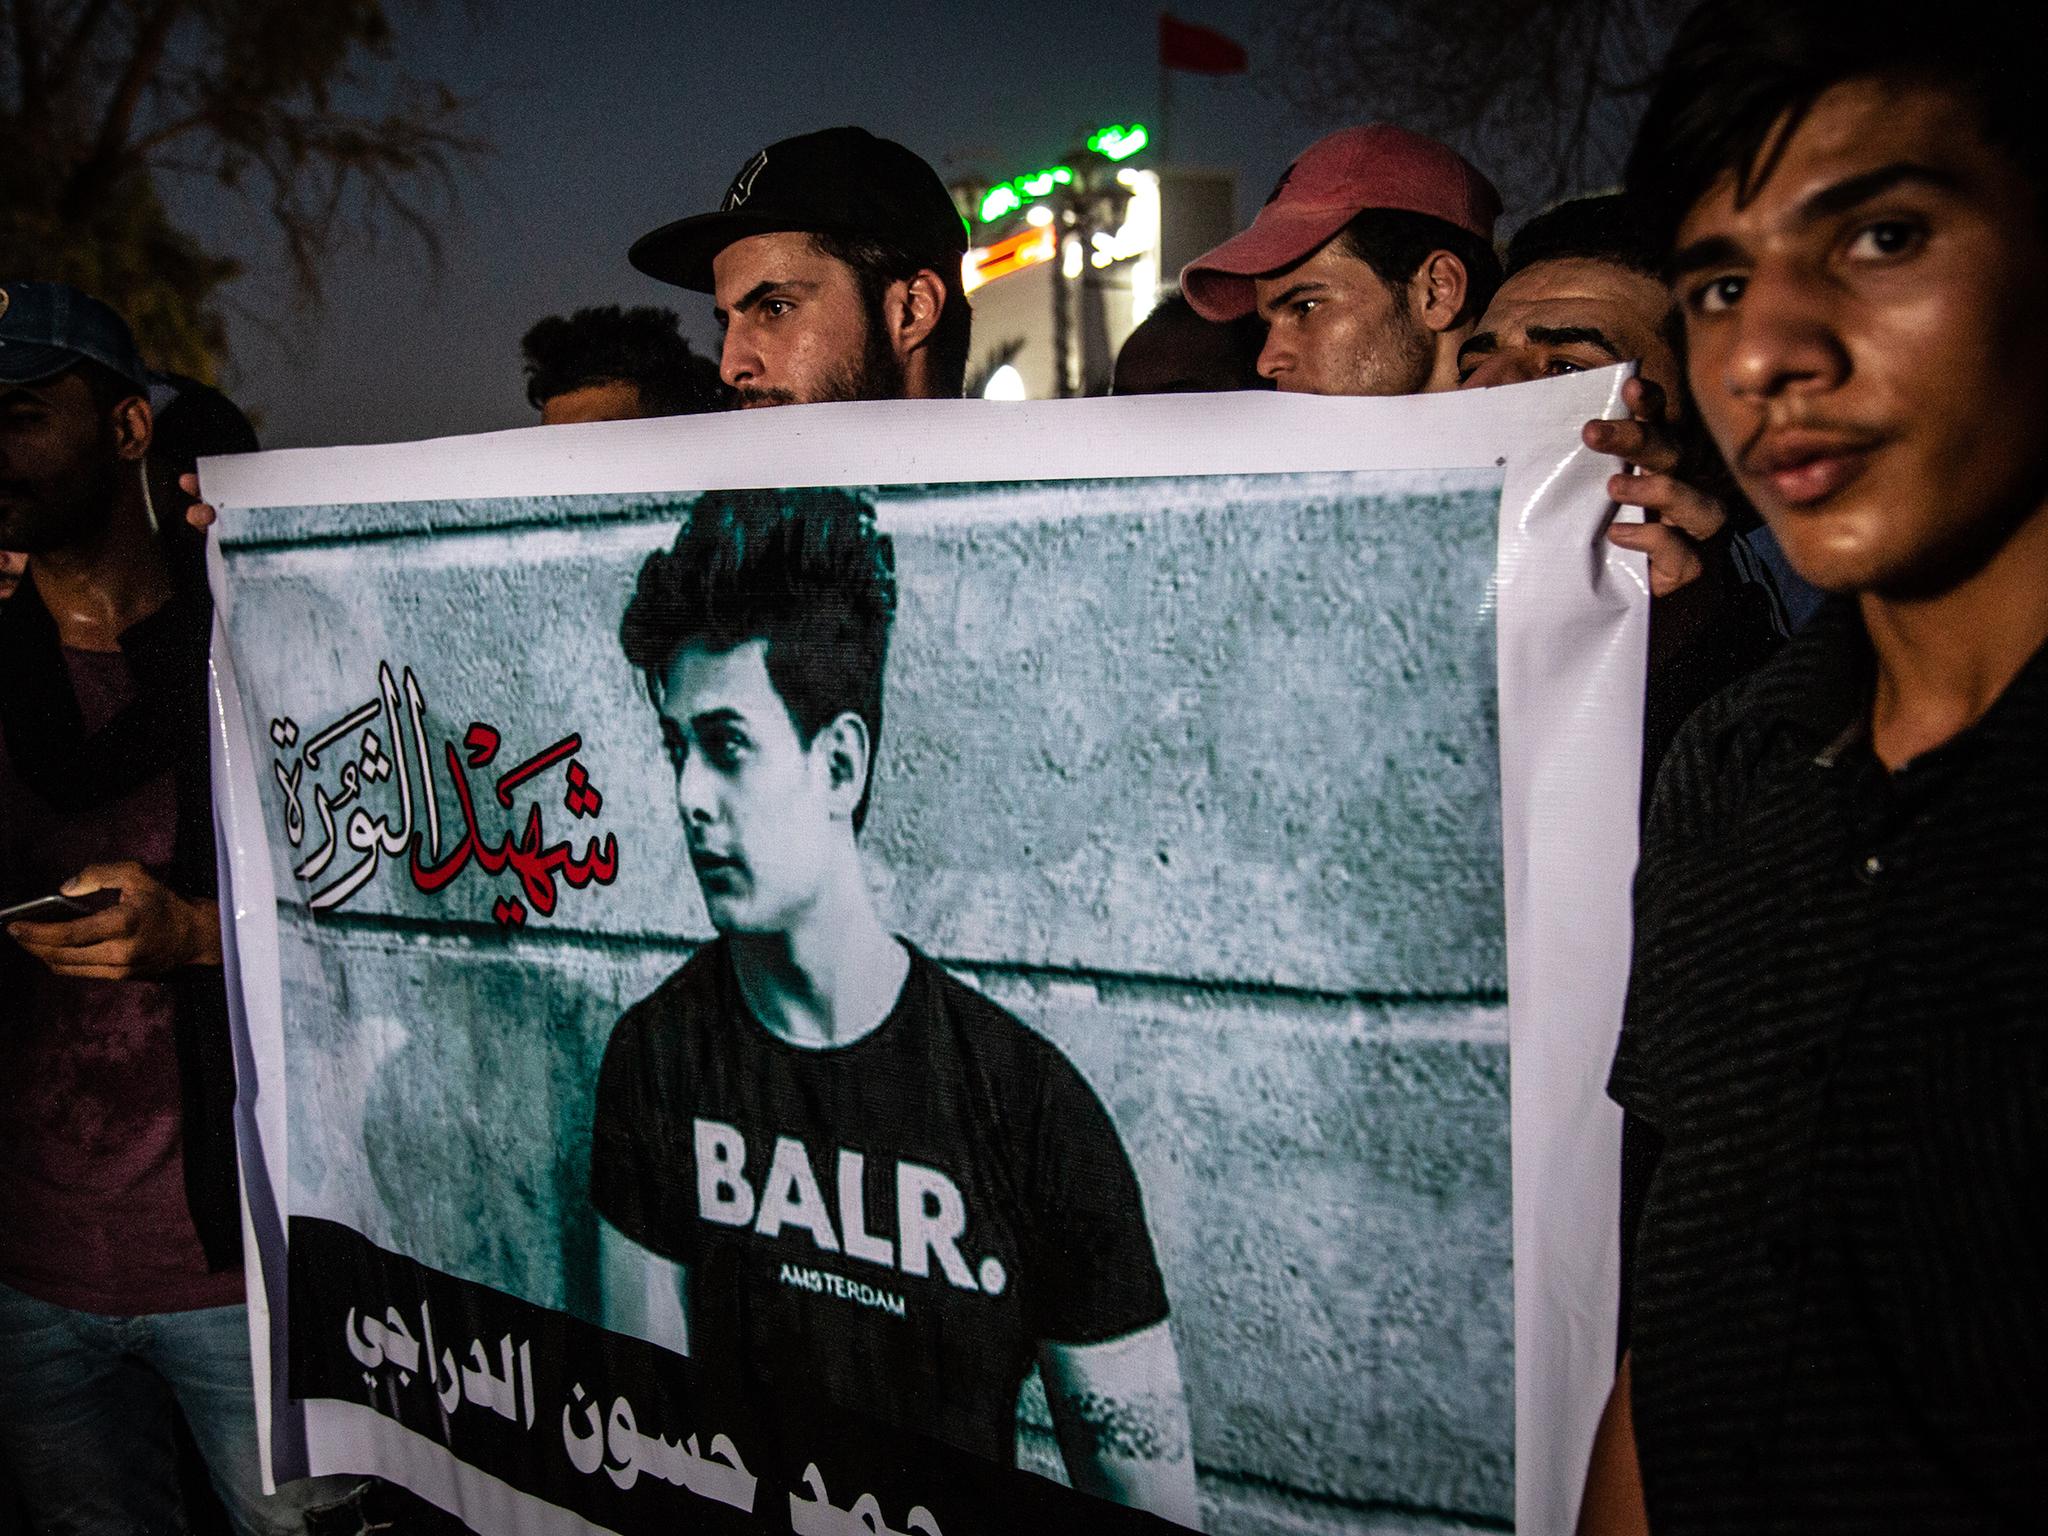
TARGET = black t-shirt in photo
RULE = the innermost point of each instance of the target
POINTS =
(894, 1223)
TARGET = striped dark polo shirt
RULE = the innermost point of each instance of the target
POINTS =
(1838, 1027)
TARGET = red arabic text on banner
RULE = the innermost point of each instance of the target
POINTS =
(1199, 50)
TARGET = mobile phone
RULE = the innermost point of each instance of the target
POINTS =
(61, 909)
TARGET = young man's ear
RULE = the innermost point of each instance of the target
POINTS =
(846, 749)
(133, 428)
(1437, 291)
(914, 307)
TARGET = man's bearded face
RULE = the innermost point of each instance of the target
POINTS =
(798, 328)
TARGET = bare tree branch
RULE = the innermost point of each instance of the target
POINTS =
(1535, 90)
(72, 54)
(149, 143)
(147, 57)
(296, 108)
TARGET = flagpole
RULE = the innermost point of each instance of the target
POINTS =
(1165, 111)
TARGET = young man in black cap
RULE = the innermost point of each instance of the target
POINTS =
(834, 262)
(120, 1255)
(1838, 1018)
(825, 1167)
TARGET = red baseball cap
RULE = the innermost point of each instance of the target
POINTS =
(1331, 182)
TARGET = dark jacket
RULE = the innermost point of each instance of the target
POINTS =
(164, 729)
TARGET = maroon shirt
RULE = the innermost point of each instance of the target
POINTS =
(92, 1179)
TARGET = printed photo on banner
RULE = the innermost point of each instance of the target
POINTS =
(970, 1005)
(806, 1042)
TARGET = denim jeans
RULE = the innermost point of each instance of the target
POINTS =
(86, 1431)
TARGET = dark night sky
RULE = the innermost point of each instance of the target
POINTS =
(608, 119)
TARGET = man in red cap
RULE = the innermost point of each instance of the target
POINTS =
(1370, 264)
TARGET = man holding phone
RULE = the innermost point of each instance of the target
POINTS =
(120, 1260)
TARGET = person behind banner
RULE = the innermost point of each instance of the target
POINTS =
(834, 264)
(822, 1163)
(1583, 289)
(121, 1282)
(1174, 351)
(194, 421)
(606, 363)
(1370, 263)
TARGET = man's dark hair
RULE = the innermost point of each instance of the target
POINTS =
(876, 265)
(805, 570)
(610, 345)
(1237, 342)
(1738, 66)
(1609, 228)
(198, 422)
(1395, 244)
(1244, 338)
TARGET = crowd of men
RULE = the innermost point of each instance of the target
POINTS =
(1830, 263)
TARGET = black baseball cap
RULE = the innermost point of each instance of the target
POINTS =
(46, 328)
(837, 181)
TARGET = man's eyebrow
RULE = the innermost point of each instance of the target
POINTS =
(1290, 293)
(1576, 335)
(1713, 251)
(1848, 193)
(1829, 202)
(760, 291)
(1479, 344)
(725, 715)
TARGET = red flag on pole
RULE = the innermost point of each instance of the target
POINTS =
(1198, 50)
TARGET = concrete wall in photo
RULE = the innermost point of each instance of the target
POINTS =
(1196, 776)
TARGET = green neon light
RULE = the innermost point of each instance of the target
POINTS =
(1001, 201)
(1117, 142)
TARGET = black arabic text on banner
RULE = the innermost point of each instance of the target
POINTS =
(617, 1430)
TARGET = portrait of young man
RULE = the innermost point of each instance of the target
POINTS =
(1838, 1015)
(822, 1164)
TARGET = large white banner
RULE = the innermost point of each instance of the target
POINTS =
(1249, 785)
